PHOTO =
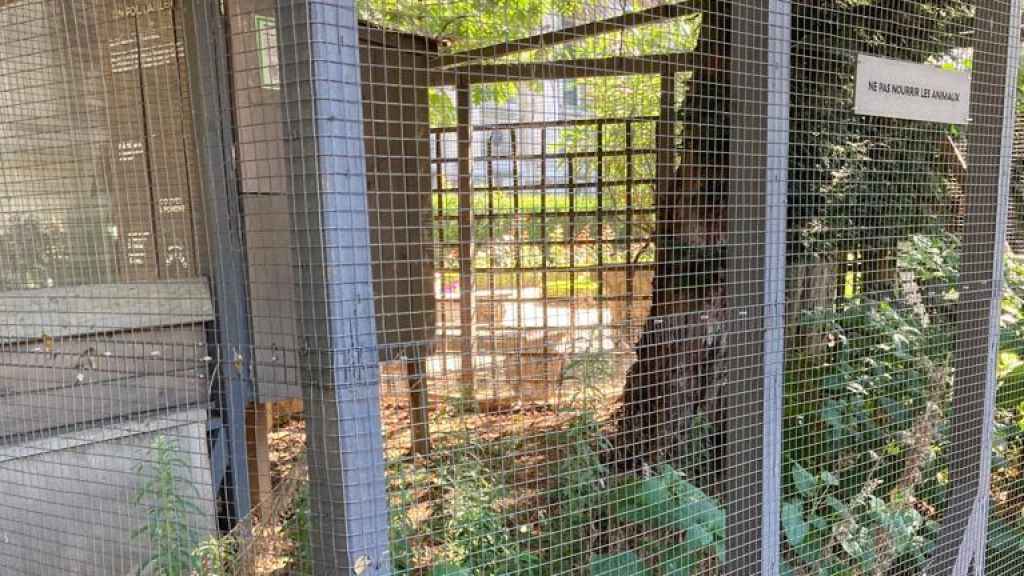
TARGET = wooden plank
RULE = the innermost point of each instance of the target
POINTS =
(63, 312)
(598, 234)
(630, 214)
(517, 245)
(163, 110)
(276, 343)
(130, 185)
(63, 362)
(396, 135)
(489, 243)
(259, 424)
(68, 496)
(419, 405)
(570, 34)
(961, 540)
(571, 234)
(78, 405)
(566, 69)
(545, 251)
(573, 123)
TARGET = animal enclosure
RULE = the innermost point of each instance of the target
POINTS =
(511, 287)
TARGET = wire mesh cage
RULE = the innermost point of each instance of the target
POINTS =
(510, 287)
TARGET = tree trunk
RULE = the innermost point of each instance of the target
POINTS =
(674, 383)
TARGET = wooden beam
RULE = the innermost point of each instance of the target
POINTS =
(466, 287)
(321, 103)
(231, 341)
(953, 158)
(566, 69)
(419, 404)
(259, 422)
(556, 37)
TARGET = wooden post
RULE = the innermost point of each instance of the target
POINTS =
(321, 104)
(467, 337)
(419, 404)
(259, 423)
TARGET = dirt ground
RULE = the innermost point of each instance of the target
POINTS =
(271, 552)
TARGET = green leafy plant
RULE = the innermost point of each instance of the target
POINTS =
(215, 556)
(178, 548)
(296, 529)
(624, 564)
(474, 531)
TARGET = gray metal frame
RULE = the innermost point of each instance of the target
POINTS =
(998, 261)
(208, 70)
(322, 107)
(776, 188)
(961, 541)
(759, 155)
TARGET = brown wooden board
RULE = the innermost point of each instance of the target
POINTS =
(168, 170)
(394, 74)
(397, 138)
(129, 181)
(272, 290)
(188, 138)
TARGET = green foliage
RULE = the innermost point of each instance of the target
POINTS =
(178, 548)
(470, 532)
(844, 168)
(215, 556)
(580, 496)
(864, 470)
(625, 564)
(465, 24)
(682, 525)
(865, 430)
(473, 531)
(296, 529)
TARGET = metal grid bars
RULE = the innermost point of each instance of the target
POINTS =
(563, 212)
(511, 288)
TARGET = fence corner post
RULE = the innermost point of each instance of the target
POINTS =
(759, 132)
(961, 540)
(323, 123)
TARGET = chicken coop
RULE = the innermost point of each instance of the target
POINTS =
(510, 287)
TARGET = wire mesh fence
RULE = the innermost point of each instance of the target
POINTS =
(510, 287)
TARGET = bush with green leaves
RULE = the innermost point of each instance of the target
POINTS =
(866, 428)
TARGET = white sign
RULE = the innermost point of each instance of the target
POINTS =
(897, 89)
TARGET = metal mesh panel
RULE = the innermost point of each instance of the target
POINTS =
(510, 287)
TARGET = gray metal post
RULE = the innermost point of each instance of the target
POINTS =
(322, 106)
(776, 188)
(208, 74)
(759, 116)
(961, 542)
